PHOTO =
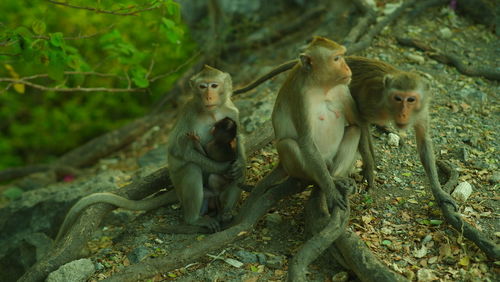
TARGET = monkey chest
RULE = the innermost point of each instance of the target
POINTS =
(328, 123)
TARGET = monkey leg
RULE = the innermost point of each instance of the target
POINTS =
(302, 162)
(228, 198)
(366, 151)
(346, 154)
(188, 183)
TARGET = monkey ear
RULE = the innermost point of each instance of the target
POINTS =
(387, 80)
(306, 61)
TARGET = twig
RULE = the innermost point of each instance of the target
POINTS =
(75, 89)
(85, 36)
(450, 59)
(113, 12)
(178, 68)
(367, 38)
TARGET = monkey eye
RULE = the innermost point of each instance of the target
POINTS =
(203, 86)
(336, 58)
(214, 85)
(398, 98)
(411, 99)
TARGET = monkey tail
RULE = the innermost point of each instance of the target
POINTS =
(279, 69)
(118, 201)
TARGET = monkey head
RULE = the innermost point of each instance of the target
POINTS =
(406, 94)
(212, 86)
(324, 59)
(224, 130)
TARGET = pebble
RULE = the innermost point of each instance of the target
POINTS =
(138, 254)
(445, 32)
(462, 191)
(393, 139)
(340, 277)
(415, 58)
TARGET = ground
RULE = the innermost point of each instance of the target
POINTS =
(398, 220)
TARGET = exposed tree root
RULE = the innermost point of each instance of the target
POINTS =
(349, 250)
(450, 59)
(252, 210)
(362, 24)
(316, 245)
(452, 217)
(71, 246)
(91, 151)
(367, 39)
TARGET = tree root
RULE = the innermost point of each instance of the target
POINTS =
(491, 250)
(316, 245)
(450, 59)
(252, 210)
(348, 250)
(366, 40)
(91, 151)
(362, 24)
(70, 247)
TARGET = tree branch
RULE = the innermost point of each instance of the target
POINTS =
(113, 12)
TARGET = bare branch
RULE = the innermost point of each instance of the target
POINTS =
(76, 89)
(160, 76)
(112, 12)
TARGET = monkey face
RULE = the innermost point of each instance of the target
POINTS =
(210, 94)
(405, 105)
(340, 69)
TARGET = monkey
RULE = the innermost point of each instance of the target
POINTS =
(188, 166)
(315, 121)
(222, 148)
(385, 94)
(373, 87)
(210, 107)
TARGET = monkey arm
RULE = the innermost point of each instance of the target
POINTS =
(426, 153)
(207, 164)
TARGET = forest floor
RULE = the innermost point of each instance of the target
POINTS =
(398, 221)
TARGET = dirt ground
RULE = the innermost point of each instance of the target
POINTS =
(399, 220)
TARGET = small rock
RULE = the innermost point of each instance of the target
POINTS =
(75, 271)
(275, 262)
(393, 139)
(415, 58)
(138, 254)
(273, 218)
(462, 191)
(247, 257)
(99, 266)
(427, 239)
(464, 154)
(445, 32)
(261, 258)
(340, 277)
(495, 177)
(425, 275)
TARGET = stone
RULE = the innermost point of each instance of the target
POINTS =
(462, 191)
(75, 271)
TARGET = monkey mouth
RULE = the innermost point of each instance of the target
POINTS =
(345, 79)
(210, 107)
(401, 125)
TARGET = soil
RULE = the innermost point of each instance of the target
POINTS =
(399, 220)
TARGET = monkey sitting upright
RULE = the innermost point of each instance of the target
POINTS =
(211, 103)
(222, 148)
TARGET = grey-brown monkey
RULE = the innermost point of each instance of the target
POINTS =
(189, 168)
(315, 121)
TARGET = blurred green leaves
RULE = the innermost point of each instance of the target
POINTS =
(59, 47)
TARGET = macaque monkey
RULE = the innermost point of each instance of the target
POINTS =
(384, 94)
(210, 109)
(315, 121)
(222, 148)
(188, 166)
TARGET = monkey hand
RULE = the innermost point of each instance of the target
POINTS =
(335, 198)
(235, 171)
(192, 135)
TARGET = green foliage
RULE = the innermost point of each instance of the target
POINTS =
(59, 47)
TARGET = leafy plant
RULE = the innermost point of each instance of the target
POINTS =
(71, 70)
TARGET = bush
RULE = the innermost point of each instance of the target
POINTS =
(60, 49)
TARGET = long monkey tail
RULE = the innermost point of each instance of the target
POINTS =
(109, 198)
(277, 70)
